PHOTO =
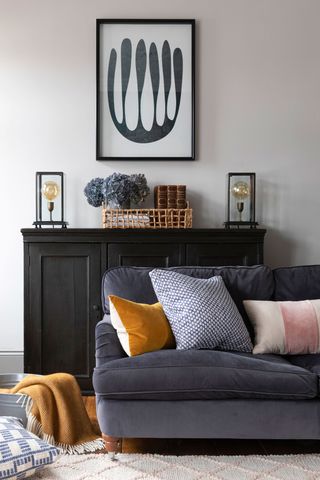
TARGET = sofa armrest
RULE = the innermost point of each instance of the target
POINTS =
(108, 346)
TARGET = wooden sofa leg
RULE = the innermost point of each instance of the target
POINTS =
(112, 444)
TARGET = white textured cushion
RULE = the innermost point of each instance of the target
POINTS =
(201, 312)
(22, 453)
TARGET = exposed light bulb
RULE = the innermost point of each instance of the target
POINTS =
(241, 191)
(50, 190)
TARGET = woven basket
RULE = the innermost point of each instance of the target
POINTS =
(147, 218)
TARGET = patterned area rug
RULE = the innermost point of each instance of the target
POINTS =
(157, 467)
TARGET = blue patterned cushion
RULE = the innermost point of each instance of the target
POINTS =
(22, 453)
(201, 312)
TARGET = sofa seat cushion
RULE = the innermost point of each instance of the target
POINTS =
(203, 374)
(308, 362)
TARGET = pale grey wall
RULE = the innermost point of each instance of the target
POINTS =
(258, 108)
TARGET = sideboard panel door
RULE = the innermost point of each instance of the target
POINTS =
(64, 297)
(145, 254)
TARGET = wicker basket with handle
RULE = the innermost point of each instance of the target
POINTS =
(147, 218)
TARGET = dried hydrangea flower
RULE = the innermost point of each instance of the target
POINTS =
(139, 188)
(93, 192)
(116, 190)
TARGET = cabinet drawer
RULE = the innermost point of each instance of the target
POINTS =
(145, 255)
(215, 254)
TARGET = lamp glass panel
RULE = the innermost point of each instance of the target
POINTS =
(240, 193)
(51, 196)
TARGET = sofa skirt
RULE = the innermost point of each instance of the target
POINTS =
(237, 419)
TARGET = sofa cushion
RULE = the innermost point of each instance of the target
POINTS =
(133, 283)
(140, 327)
(308, 362)
(297, 283)
(201, 312)
(285, 327)
(22, 454)
(203, 374)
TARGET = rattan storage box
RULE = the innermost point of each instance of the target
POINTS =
(147, 218)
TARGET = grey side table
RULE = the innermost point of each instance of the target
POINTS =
(12, 405)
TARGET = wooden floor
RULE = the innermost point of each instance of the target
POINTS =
(207, 447)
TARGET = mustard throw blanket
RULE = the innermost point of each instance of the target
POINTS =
(56, 412)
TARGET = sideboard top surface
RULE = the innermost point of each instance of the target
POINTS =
(108, 235)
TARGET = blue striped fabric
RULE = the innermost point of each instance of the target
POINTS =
(22, 453)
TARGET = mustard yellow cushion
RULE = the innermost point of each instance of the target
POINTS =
(140, 327)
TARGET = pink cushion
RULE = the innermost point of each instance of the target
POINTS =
(285, 327)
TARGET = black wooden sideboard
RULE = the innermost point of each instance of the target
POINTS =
(62, 282)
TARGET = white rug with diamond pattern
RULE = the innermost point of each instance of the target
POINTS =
(158, 467)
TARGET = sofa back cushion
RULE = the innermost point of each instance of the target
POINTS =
(243, 283)
(297, 283)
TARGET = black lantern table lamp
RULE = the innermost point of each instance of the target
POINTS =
(241, 200)
(49, 200)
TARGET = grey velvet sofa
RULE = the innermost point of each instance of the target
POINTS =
(207, 393)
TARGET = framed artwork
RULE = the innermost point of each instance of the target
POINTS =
(145, 89)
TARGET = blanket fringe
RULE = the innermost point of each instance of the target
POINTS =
(34, 426)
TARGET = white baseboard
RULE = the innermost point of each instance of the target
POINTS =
(11, 361)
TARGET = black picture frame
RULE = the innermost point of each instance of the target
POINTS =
(172, 140)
